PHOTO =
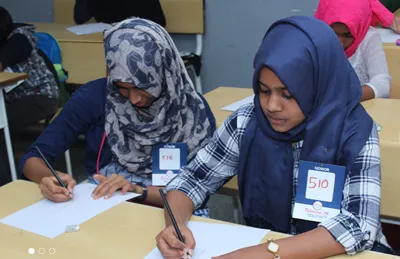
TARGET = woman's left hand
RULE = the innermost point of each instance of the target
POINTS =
(258, 251)
(108, 185)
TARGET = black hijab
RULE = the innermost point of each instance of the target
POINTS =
(6, 25)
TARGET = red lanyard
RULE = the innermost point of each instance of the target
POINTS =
(98, 156)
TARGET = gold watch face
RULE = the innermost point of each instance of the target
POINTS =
(273, 247)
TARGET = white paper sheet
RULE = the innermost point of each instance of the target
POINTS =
(218, 239)
(388, 36)
(11, 87)
(234, 106)
(89, 28)
(8, 89)
(50, 219)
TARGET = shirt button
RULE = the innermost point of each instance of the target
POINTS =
(367, 235)
(348, 224)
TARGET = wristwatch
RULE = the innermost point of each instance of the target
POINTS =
(144, 195)
(273, 248)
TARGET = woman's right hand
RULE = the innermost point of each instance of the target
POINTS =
(171, 247)
(395, 26)
(52, 190)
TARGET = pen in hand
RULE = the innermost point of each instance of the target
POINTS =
(53, 171)
(178, 232)
(171, 215)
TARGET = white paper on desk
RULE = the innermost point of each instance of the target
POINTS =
(8, 88)
(234, 106)
(218, 239)
(388, 36)
(89, 28)
(50, 219)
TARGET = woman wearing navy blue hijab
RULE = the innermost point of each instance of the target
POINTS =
(306, 110)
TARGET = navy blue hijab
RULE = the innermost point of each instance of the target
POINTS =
(307, 57)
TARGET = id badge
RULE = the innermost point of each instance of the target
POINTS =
(167, 161)
(319, 191)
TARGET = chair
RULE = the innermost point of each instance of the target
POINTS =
(50, 118)
(193, 62)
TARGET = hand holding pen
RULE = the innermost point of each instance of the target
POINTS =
(57, 188)
(175, 241)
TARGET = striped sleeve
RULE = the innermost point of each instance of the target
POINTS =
(356, 227)
(216, 163)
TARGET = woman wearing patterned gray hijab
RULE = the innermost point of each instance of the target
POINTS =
(141, 54)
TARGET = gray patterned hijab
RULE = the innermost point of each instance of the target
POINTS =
(141, 52)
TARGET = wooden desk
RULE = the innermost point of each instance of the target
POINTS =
(182, 16)
(7, 78)
(83, 56)
(127, 229)
(393, 59)
(223, 96)
(381, 110)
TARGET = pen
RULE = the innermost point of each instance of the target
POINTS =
(52, 170)
(178, 232)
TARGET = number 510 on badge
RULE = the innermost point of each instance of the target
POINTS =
(320, 185)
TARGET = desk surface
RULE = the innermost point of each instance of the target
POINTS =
(382, 110)
(7, 78)
(62, 35)
(182, 16)
(393, 60)
(223, 96)
(127, 229)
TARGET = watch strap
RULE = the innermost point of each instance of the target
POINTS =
(144, 195)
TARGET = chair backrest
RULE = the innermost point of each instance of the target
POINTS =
(183, 16)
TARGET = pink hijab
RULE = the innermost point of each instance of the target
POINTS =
(357, 15)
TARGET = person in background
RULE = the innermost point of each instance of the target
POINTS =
(148, 98)
(37, 97)
(306, 109)
(351, 21)
(117, 10)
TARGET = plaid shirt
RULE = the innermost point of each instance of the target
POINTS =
(40, 80)
(357, 227)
